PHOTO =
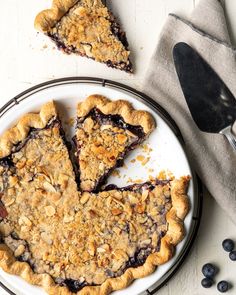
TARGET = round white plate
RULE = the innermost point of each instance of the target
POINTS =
(167, 154)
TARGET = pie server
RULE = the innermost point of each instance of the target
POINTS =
(212, 105)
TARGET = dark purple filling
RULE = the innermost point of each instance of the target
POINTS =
(61, 45)
(73, 285)
(120, 35)
(137, 187)
(72, 49)
(116, 121)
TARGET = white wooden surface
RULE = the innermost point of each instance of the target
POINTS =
(27, 58)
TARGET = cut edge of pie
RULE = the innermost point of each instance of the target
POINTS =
(106, 131)
(95, 45)
(175, 233)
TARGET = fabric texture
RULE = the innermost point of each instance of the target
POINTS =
(211, 155)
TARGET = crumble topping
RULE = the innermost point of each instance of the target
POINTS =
(88, 29)
(97, 237)
(84, 237)
(101, 144)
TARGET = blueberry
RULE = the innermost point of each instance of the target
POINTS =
(232, 255)
(228, 245)
(207, 282)
(223, 286)
(209, 270)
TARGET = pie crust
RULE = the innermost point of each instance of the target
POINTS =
(118, 107)
(20, 132)
(172, 209)
(87, 28)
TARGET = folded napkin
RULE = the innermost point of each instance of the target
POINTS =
(210, 154)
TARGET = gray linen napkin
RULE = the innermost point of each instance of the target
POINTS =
(211, 155)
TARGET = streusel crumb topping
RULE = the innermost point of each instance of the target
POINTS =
(86, 237)
(87, 29)
(100, 147)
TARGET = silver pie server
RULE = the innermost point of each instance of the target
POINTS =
(211, 103)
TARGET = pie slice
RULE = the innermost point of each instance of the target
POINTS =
(87, 28)
(106, 132)
(35, 170)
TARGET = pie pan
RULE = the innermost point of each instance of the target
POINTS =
(167, 154)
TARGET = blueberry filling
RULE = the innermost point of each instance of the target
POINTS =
(6, 162)
(116, 30)
(61, 46)
(114, 120)
(72, 49)
(136, 187)
(73, 285)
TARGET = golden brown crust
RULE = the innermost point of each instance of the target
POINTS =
(46, 19)
(175, 233)
(19, 132)
(118, 107)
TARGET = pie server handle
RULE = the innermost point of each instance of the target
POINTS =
(227, 132)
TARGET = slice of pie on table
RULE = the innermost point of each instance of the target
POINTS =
(87, 28)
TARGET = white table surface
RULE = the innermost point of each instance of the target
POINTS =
(28, 58)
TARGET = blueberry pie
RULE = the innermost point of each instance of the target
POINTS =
(87, 28)
(69, 235)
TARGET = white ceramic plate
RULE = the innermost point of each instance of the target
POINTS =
(167, 154)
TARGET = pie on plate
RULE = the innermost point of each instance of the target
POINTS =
(59, 233)
(87, 28)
